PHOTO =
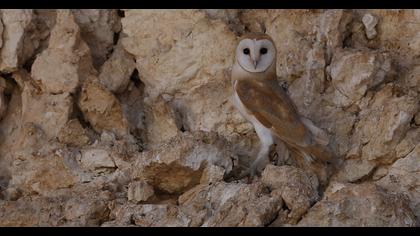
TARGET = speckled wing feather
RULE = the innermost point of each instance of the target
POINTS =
(274, 109)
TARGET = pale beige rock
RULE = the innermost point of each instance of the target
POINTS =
(15, 25)
(370, 22)
(384, 124)
(29, 211)
(411, 139)
(354, 72)
(101, 108)
(230, 16)
(354, 170)
(397, 34)
(412, 80)
(37, 165)
(178, 164)
(49, 112)
(380, 136)
(212, 174)
(194, 201)
(1, 33)
(79, 206)
(149, 215)
(139, 191)
(229, 205)
(298, 190)
(359, 205)
(116, 71)
(252, 213)
(333, 28)
(414, 44)
(403, 177)
(98, 29)
(161, 122)
(66, 62)
(160, 215)
(96, 159)
(88, 208)
(379, 173)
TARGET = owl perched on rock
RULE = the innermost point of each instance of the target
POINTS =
(260, 99)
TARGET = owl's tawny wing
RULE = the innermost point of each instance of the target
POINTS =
(274, 109)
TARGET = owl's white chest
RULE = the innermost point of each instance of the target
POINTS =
(263, 133)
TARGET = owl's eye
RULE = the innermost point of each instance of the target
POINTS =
(263, 50)
(246, 51)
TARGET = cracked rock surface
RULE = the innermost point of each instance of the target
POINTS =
(124, 118)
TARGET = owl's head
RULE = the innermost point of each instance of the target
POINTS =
(256, 52)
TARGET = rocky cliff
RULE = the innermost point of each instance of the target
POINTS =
(124, 118)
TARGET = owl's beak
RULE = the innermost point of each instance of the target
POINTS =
(255, 59)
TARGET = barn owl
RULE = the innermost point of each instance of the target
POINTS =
(260, 99)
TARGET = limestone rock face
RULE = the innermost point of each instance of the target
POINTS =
(139, 191)
(82, 206)
(15, 24)
(162, 122)
(403, 178)
(96, 158)
(1, 33)
(353, 73)
(148, 215)
(50, 112)
(39, 167)
(359, 205)
(115, 73)
(370, 22)
(67, 57)
(383, 125)
(73, 134)
(298, 190)
(235, 205)
(98, 30)
(124, 118)
(102, 109)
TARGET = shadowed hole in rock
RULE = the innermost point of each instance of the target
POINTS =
(132, 100)
(121, 13)
(78, 114)
(180, 117)
(10, 87)
(4, 182)
(347, 42)
(28, 64)
(173, 179)
(136, 78)
(413, 122)
(116, 38)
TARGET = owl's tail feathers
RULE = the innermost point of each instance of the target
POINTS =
(320, 152)
(319, 135)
